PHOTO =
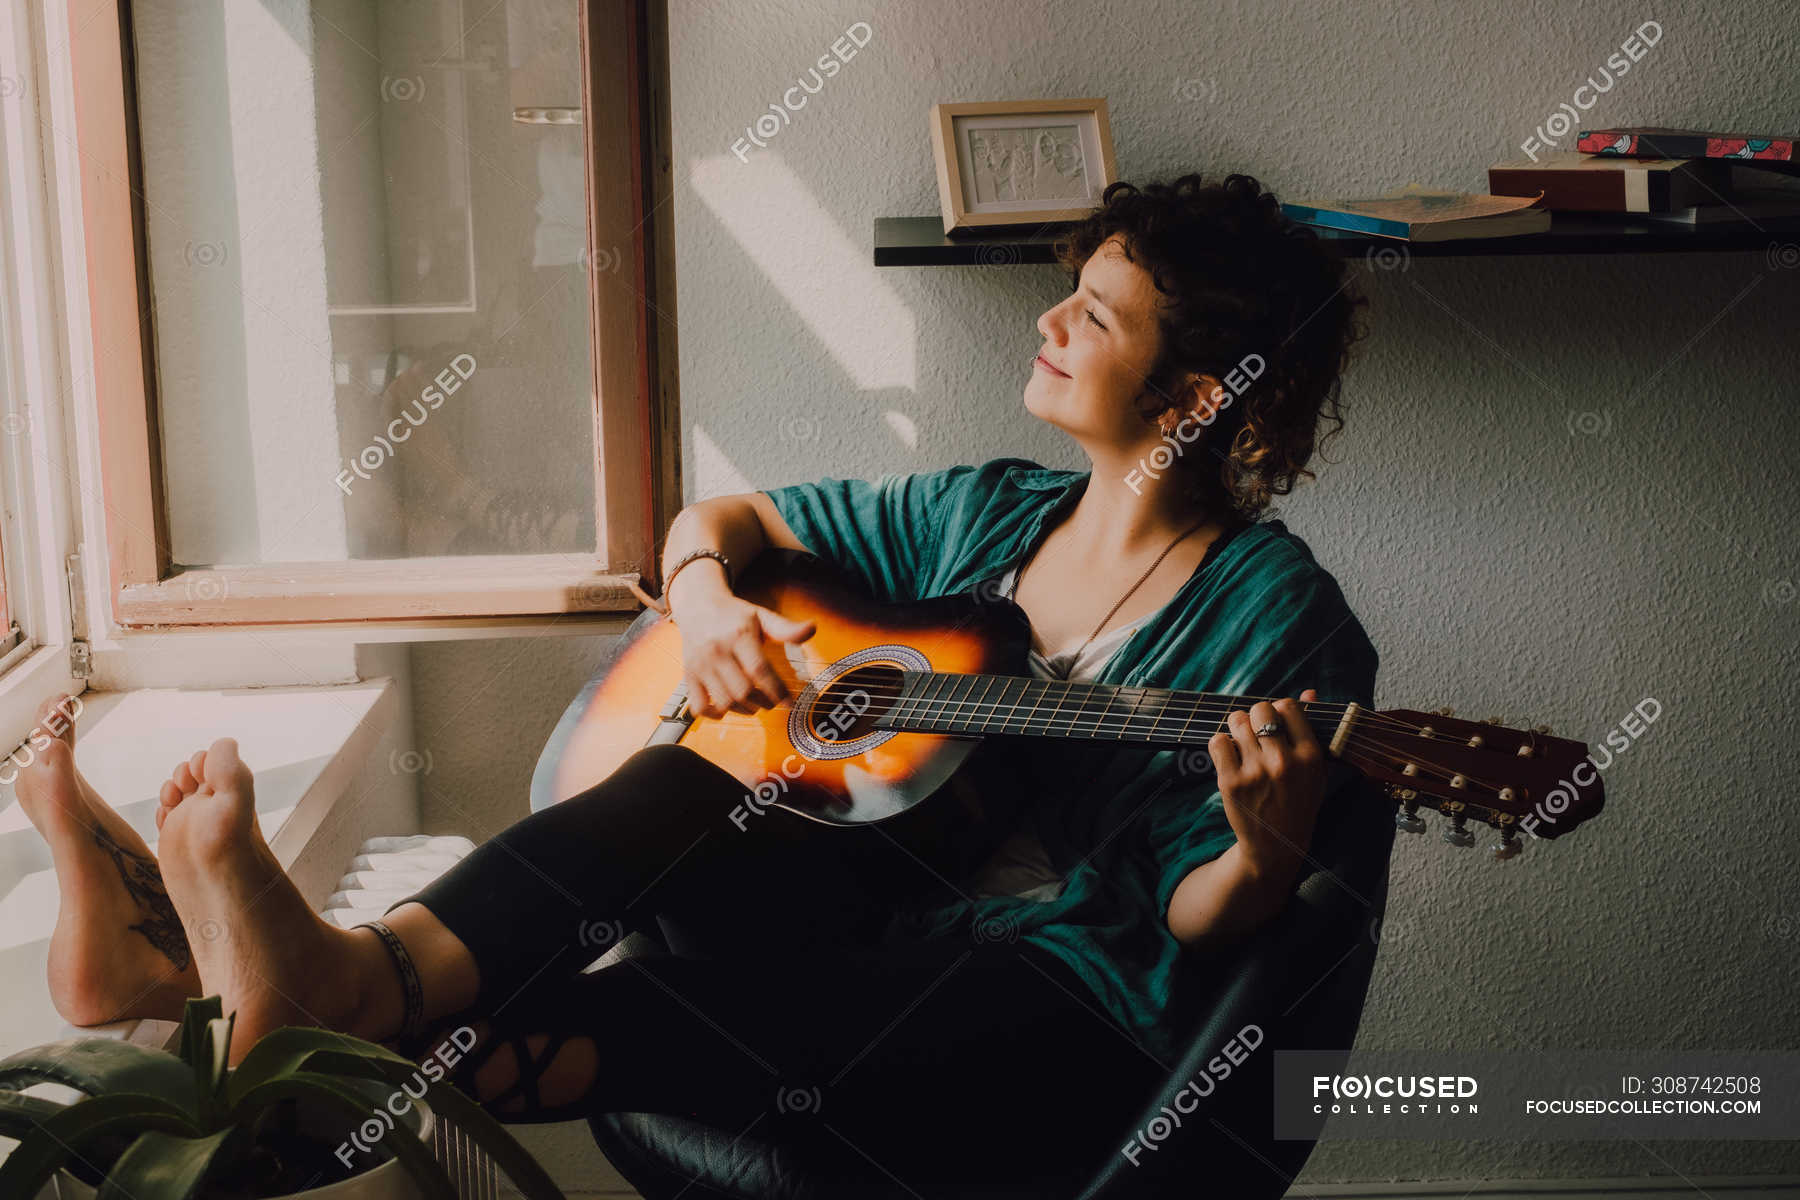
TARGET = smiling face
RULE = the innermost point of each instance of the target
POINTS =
(1104, 338)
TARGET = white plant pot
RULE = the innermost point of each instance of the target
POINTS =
(388, 1181)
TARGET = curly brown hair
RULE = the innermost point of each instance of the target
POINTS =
(1238, 278)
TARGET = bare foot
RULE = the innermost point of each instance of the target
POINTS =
(118, 952)
(257, 942)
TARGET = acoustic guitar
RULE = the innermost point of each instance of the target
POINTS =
(886, 701)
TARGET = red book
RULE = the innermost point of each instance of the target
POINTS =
(1748, 149)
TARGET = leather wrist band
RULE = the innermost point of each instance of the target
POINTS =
(689, 557)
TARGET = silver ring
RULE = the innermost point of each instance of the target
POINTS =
(1270, 730)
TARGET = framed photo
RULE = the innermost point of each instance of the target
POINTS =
(1020, 162)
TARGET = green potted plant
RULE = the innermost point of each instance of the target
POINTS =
(307, 1113)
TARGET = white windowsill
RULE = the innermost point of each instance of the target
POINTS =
(305, 744)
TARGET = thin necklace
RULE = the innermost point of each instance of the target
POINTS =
(1019, 573)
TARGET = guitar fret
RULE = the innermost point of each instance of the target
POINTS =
(987, 716)
(997, 707)
(1162, 711)
(1062, 695)
(1014, 721)
(1182, 736)
(953, 709)
(925, 711)
(1033, 685)
(1224, 717)
(1100, 717)
(906, 706)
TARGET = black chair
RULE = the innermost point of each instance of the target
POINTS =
(1302, 980)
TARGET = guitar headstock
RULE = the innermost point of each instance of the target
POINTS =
(1518, 781)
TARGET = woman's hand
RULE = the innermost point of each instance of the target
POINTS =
(723, 657)
(1271, 786)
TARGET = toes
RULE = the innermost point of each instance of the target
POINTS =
(220, 766)
(196, 769)
(182, 777)
(54, 717)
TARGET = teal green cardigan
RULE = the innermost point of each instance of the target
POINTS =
(1124, 824)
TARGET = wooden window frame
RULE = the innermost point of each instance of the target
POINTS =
(632, 331)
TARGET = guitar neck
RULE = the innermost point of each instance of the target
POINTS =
(976, 705)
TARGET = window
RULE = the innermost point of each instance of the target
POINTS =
(383, 292)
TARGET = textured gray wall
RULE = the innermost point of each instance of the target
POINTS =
(1566, 484)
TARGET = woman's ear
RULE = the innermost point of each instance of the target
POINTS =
(1206, 398)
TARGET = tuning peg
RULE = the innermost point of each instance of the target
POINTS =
(1457, 835)
(1446, 711)
(1508, 846)
(1492, 721)
(1408, 820)
(1543, 729)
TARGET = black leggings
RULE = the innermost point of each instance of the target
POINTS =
(947, 1057)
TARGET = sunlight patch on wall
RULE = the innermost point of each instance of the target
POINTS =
(904, 429)
(824, 274)
(714, 473)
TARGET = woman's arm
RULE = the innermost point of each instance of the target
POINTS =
(1219, 903)
(739, 527)
(1271, 789)
(722, 636)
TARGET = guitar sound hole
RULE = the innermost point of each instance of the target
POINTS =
(849, 705)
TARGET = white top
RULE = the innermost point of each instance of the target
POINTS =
(1021, 865)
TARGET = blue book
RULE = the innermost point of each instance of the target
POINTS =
(1419, 214)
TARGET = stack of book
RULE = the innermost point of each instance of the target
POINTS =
(1684, 176)
(1680, 176)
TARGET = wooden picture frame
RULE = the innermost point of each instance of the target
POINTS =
(1059, 153)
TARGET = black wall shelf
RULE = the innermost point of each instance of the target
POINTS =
(920, 241)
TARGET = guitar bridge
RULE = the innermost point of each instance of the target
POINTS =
(673, 721)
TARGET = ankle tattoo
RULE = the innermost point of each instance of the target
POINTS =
(412, 1021)
(161, 926)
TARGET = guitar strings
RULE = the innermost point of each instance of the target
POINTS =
(1173, 707)
(1113, 724)
(1371, 715)
(1101, 723)
(1364, 743)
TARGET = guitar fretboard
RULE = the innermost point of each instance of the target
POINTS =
(929, 702)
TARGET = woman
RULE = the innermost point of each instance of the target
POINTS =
(1191, 364)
